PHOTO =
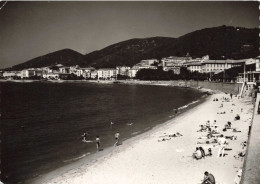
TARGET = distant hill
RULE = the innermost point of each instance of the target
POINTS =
(66, 57)
(129, 52)
(230, 42)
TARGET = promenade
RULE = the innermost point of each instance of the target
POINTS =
(252, 163)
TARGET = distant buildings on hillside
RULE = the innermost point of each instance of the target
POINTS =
(172, 63)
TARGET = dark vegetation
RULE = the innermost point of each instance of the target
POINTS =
(217, 42)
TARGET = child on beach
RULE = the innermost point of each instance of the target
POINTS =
(117, 138)
(97, 143)
(85, 136)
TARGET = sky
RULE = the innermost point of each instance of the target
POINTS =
(32, 29)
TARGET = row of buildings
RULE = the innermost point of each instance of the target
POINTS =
(174, 63)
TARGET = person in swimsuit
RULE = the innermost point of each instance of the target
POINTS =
(117, 138)
(85, 136)
(98, 143)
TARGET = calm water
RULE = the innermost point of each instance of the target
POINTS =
(42, 123)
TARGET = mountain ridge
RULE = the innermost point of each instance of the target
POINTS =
(218, 42)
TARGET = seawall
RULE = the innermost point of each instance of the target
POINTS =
(218, 86)
(251, 170)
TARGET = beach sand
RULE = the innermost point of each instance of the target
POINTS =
(147, 159)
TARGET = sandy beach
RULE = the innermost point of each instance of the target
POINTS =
(156, 157)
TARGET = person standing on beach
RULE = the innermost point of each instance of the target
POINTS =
(208, 178)
(222, 144)
(98, 143)
(117, 138)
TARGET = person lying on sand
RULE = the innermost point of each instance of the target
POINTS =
(240, 154)
(212, 141)
(221, 105)
(231, 137)
(236, 130)
(197, 154)
(176, 135)
(164, 139)
(224, 112)
(208, 178)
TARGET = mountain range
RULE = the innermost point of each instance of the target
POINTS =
(217, 42)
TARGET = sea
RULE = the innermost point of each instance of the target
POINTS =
(42, 123)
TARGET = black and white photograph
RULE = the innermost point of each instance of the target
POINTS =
(129, 92)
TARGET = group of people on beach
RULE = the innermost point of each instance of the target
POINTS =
(215, 137)
(97, 140)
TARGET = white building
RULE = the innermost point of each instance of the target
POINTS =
(84, 72)
(194, 67)
(54, 76)
(26, 73)
(11, 74)
(132, 73)
(106, 73)
(140, 66)
(217, 66)
(94, 75)
(73, 69)
(149, 61)
(122, 70)
(64, 70)
(175, 61)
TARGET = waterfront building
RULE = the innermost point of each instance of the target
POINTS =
(93, 74)
(26, 73)
(54, 76)
(132, 73)
(106, 73)
(11, 74)
(175, 61)
(64, 70)
(73, 69)
(216, 66)
(149, 61)
(251, 77)
(139, 66)
(194, 67)
(84, 72)
(122, 70)
(175, 69)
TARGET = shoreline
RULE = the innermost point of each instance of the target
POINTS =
(199, 85)
(109, 164)
(93, 158)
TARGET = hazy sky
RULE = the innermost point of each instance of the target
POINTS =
(31, 29)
